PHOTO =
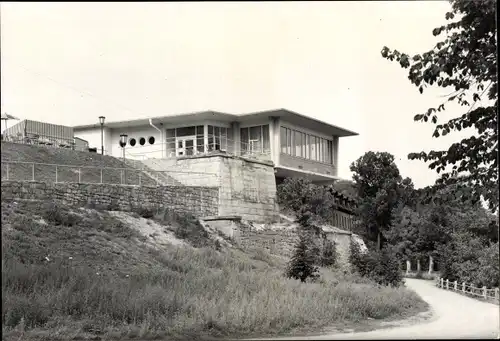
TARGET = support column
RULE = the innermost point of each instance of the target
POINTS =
(275, 131)
(236, 143)
(431, 264)
(336, 154)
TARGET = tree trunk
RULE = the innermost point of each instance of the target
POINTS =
(418, 266)
(408, 266)
(431, 264)
(378, 241)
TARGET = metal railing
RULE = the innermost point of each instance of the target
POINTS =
(171, 149)
(468, 289)
(58, 173)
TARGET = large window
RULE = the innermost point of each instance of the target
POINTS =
(196, 132)
(255, 139)
(307, 146)
(217, 138)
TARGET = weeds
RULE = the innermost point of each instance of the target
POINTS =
(131, 291)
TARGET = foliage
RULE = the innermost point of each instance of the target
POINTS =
(346, 187)
(301, 265)
(300, 195)
(469, 258)
(186, 226)
(379, 187)
(380, 266)
(329, 254)
(54, 213)
(465, 61)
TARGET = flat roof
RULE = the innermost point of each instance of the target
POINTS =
(288, 115)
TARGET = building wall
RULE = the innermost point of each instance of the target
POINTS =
(247, 187)
(309, 165)
(137, 152)
(93, 136)
(200, 201)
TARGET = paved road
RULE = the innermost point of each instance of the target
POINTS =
(454, 317)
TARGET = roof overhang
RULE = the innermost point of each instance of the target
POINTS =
(168, 119)
(288, 115)
(288, 172)
(301, 121)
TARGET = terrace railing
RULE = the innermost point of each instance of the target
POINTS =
(58, 173)
(469, 289)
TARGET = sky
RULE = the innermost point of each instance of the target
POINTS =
(68, 63)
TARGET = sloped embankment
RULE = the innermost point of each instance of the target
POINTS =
(71, 273)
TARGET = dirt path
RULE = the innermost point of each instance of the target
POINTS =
(453, 317)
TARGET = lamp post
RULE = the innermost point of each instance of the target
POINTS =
(123, 143)
(101, 121)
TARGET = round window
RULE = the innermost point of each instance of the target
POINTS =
(142, 141)
(151, 140)
(132, 142)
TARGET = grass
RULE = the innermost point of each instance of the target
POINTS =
(52, 156)
(102, 282)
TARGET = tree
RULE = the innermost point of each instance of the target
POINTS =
(378, 184)
(346, 187)
(300, 195)
(464, 60)
(301, 265)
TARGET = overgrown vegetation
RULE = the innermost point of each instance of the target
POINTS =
(96, 278)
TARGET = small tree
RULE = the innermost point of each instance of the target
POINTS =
(301, 265)
(329, 254)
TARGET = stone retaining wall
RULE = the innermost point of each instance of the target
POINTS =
(281, 239)
(200, 201)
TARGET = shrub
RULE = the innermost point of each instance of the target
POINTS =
(186, 227)
(329, 254)
(381, 266)
(300, 195)
(301, 265)
(58, 215)
(145, 212)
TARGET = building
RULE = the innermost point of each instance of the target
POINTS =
(296, 145)
(40, 133)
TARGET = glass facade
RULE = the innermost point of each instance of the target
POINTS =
(255, 139)
(307, 146)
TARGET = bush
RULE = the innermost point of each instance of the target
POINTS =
(186, 227)
(58, 215)
(144, 212)
(329, 254)
(301, 195)
(381, 266)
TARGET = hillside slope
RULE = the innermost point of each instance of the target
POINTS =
(47, 157)
(75, 273)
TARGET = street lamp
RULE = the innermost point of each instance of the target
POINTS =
(101, 121)
(123, 143)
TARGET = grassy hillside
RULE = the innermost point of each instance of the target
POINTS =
(87, 274)
(52, 156)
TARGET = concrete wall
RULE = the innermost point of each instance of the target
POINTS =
(247, 187)
(200, 201)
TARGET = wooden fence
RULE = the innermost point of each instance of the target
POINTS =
(469, 289)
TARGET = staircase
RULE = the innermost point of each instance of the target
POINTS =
(161, 178)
